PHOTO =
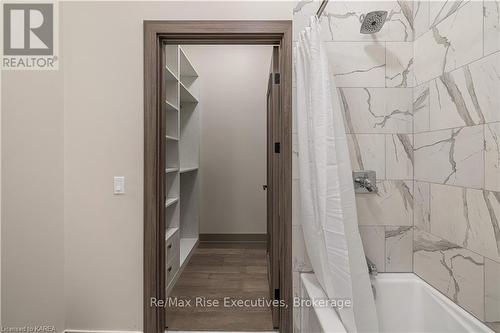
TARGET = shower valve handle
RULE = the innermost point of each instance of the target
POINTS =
(365, 183)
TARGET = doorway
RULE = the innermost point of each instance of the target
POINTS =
(278, 262)
(223, 285)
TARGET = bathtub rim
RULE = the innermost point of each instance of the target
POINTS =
(328, 318)
(466, 318)
(331, 322)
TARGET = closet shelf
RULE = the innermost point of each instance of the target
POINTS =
(170, 232)
(171, 201)
(169, 75)
(187, 68)
(188, 169)
(171, 106)
(173, 138)
(186, 246)
(186, 95)
(170, 170)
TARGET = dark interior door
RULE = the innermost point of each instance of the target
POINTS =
(273, 177)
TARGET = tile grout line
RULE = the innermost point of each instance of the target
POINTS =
(453, 185)
(451, 128)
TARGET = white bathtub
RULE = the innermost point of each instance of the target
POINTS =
(405, 303)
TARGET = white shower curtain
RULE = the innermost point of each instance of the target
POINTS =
(328, 210)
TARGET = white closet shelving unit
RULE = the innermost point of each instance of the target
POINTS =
(182, 160)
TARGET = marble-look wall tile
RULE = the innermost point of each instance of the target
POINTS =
(392, 205)
(467, 217)
(398, 115)
(367, 152)
(491, 26)
(467, 96)
(302, 12)
(458, 273)
(422, 210)
(491, 291)
(299, 14)
(399, 64)
(420, 17)
(421, 108)
(450, 44)
(485, 83)
(341, 19)
(399, 20)
(357, 64)
(377, 110)
(301, 262)
(453, 156)
(492, 156)
(447, 105)
(399, 249)
(399, 156)
(373, 238)
(441, 9)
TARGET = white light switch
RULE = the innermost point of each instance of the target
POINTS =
(119, 185)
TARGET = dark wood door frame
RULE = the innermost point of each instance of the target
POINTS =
(157, 33)
(274, 173)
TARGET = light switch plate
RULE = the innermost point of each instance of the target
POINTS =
(119, 185)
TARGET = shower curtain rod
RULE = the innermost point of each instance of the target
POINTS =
(321, 8)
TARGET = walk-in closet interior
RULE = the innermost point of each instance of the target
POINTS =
(215, 185)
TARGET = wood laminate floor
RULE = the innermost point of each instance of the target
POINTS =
(213, 273)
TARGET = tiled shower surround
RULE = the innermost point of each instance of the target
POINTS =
(421, 104)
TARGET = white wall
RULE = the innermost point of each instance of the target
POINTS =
(32, 199)
(233, 87)
(81, 126)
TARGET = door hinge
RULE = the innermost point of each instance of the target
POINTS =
(277, 78)
(276, 294)
(277, 147)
